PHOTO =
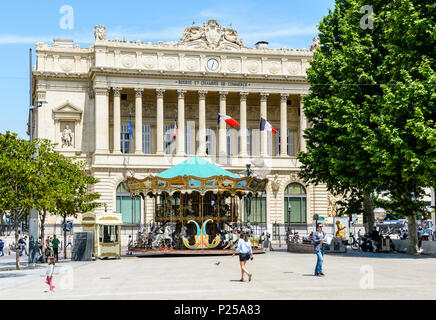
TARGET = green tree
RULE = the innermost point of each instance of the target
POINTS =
(372, 104)
(49, 190)
(403, 143)
(19, 180)
(339, 107)
(74, 196)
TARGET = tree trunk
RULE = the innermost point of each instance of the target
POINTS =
(17, 250)
(65, 237)
(43, 235)
(368, 210)
(413, 235)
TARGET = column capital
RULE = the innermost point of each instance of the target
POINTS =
(284, 97)
(223, 95)
(160, 93)
(117, 91)
(243, 95)
(263, 96)
(202, 94)
(101, 91)
(138, 92)
(181, 93)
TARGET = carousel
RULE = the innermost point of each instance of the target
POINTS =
(197, 206)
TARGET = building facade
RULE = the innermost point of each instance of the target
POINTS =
(135, 108)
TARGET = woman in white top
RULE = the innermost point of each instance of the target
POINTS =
(245, 253)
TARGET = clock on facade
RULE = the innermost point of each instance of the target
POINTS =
(213, 64)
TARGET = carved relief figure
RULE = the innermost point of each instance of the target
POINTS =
(211, 35)
(100, 32)
(232, 36)
(192, 33)
(67, 137)
(275, 184)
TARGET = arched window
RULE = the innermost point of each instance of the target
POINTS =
(130, 208)
(295, 204)
(256, 208)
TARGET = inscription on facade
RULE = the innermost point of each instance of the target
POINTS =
(213, 83)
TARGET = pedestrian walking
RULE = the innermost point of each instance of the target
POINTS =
(22, 244)
(319, 237)
(2, 246)
(245, 252)
(55, 243)
(49, 273)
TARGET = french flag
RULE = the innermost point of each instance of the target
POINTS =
(265, 125)
(229, 120)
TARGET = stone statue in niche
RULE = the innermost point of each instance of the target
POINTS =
(67, 137)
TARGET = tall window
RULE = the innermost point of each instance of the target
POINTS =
(125, 139)
(295, 204)
(188, 140)
(289, 140)
(169, 141)
(290, 143)
(269, 143)
(146, 139)
(210, 141)
(229, 141)
(130, 208)
(256, 208)
(249, 142)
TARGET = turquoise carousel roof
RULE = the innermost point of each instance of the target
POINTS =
(197, 167)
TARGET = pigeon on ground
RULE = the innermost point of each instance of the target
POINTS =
(218, 263)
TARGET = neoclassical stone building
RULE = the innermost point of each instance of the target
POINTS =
(93, 93)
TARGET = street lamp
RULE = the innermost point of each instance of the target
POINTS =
(289, 214)
(33, 214)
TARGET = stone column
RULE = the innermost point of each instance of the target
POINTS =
(284, 124)
(222, 126)
(263, 114)
(181, 123)
(138, 120)
(243, 123)
(202, 123)
(303, 125)
(159, 121)
(117, 120)
(101, 120)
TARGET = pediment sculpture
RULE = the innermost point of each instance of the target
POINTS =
(100, 33)
(211, 35)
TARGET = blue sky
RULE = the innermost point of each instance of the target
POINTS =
(290, 24)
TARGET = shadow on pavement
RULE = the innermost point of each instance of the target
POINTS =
(11, 275)
(360, 254)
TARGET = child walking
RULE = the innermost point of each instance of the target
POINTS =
(49, 273)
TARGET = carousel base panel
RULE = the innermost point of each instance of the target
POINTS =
(173, 252)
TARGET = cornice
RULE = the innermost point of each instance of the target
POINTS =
(116, 72)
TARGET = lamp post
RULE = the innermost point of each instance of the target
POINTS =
(289, 214)
(33, 214)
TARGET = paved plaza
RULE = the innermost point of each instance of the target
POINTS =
(277, 275)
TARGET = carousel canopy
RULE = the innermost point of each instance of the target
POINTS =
(197, 167)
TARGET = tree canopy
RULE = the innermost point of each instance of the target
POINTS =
(371, 105)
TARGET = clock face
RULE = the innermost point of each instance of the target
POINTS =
(213, 64)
